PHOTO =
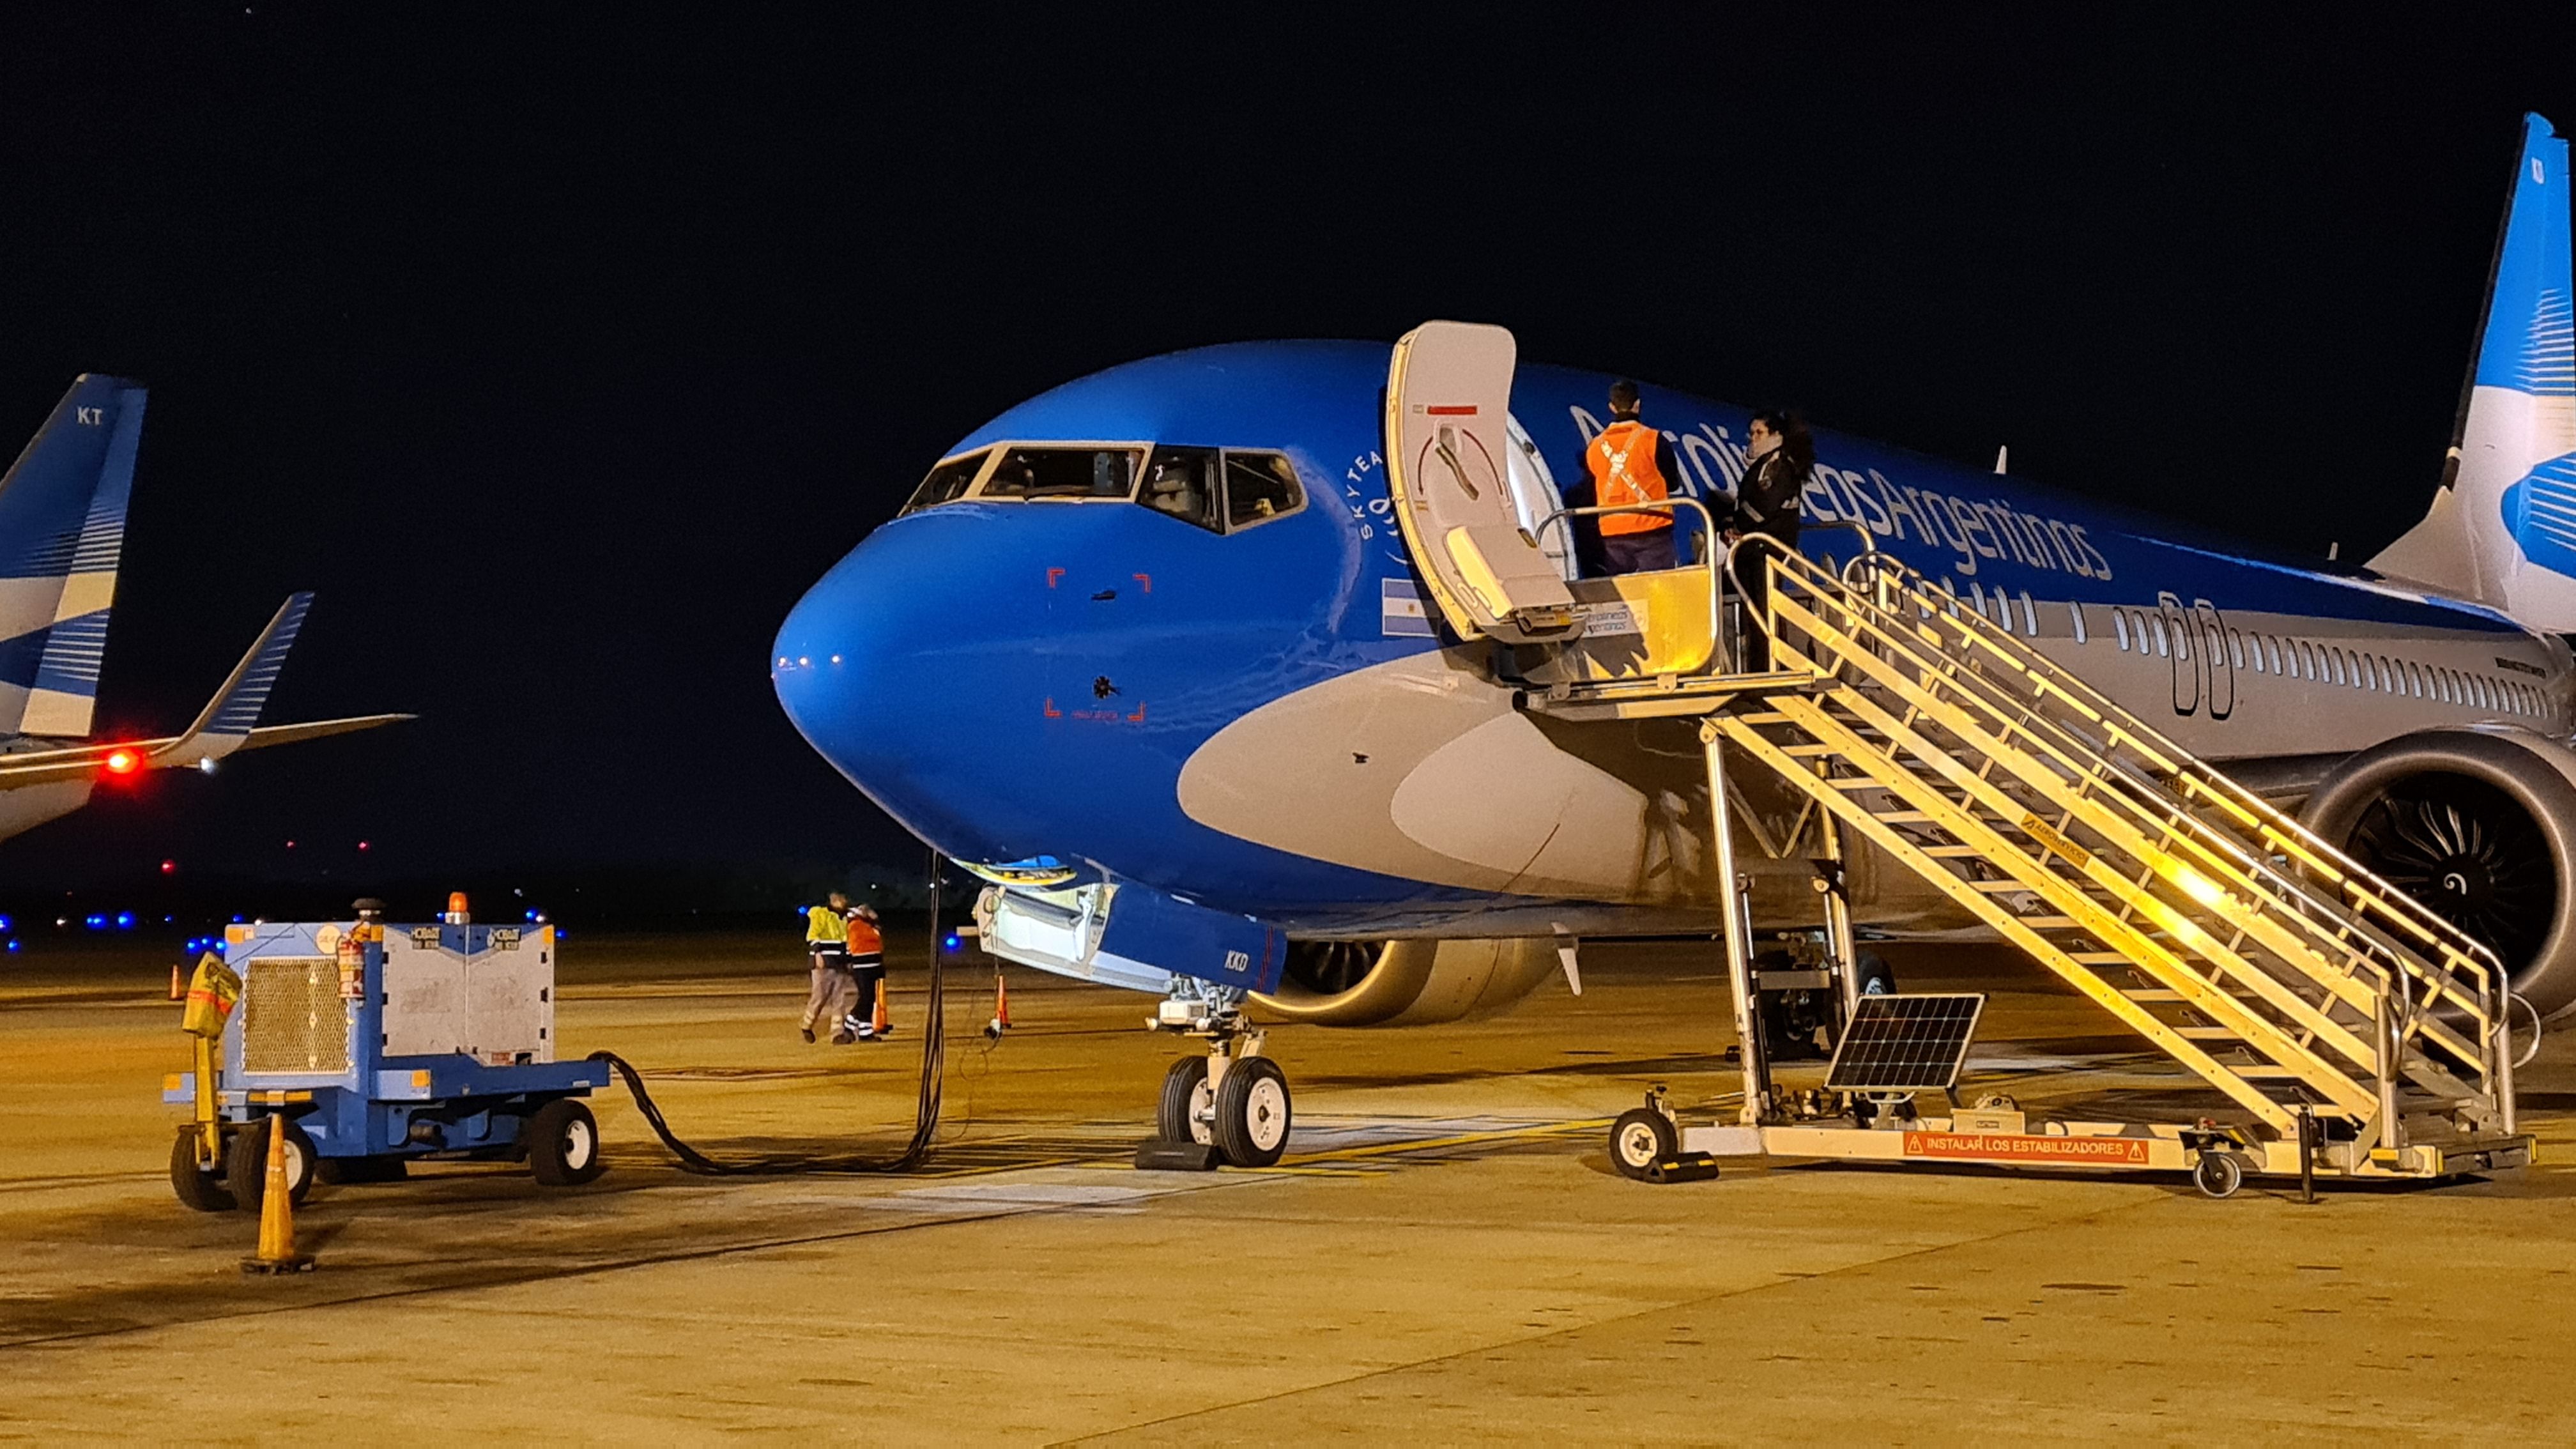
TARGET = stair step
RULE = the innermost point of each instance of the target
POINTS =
(2097, 958)
(1953, 852)
(1901, 817)
(2153, 993)
(2206, 1033)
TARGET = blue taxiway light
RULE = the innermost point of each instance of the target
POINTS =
(125, 920)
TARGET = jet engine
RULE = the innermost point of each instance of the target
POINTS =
(1406, 983)
(2480, 825)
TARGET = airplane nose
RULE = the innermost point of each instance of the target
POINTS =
(895, 667)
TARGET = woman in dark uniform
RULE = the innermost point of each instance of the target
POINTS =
(1780, 453)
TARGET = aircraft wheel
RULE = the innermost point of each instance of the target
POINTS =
(1182, 1115)
(2218, 1174)
(1641, 1135)
(197, 1188)
(563, 1144)
(1252, 1112)
(1871, 975)
(246, 1163)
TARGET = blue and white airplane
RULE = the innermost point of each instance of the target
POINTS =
(62, 530)
(1152, 655)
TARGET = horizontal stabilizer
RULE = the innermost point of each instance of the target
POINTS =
(227, 720)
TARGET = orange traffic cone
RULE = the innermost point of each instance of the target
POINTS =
(1001, 1021)
(882, 1021)
(178, 989)
(277, 1214)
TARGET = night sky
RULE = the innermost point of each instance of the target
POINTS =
(559, 355)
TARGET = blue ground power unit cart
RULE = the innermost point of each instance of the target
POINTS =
(380, 1045)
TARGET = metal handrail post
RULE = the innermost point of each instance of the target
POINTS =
(1737, 913)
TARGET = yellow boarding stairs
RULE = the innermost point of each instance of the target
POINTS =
(2240, 944)
(2357, 1032)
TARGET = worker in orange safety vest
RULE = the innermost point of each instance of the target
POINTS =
(865, 957)
(1632, 463)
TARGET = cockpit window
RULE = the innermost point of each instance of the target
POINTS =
(947, 482)
(1258, 487)
(1183, 482)
(1070, 473)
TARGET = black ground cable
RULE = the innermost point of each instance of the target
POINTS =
(925, 1113)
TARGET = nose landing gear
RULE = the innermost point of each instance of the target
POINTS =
(1231, 1104)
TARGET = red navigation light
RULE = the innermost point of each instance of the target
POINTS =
(123, 762)
(169, 867)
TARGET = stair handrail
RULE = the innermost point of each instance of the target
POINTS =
(2358, 894)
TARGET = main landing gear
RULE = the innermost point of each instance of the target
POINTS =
(1232, 1102)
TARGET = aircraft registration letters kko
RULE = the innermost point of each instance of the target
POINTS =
(2018, 1147)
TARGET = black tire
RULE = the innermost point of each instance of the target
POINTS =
(246, 1163)
(562, 1139)
(1253, 1113)
(1640, 1136)
(203, 1191)
(1185, 1090)
(2218, 1174)
(1871, 976)
(338, 1170)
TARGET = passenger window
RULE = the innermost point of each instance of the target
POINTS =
(1182, 482)
(2075, 611)
(2120, 622)
(2029, 615)
(2157, 623)
(1066, 473)
(946, 482)
(1259, 487)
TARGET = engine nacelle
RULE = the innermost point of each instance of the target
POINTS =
(2480, 825)
(1406, 983)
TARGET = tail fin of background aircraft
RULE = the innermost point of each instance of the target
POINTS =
(2502, 530)
(62, 526)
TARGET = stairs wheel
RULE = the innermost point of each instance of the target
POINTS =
(1638, 1138)
(2218, 1174)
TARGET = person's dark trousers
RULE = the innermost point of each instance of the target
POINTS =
(1638, 553)
(864, 974)
(1754, 565)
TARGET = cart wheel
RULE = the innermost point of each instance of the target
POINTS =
(563, 1144)
(2218, 1174)
(197, 1188)
(1252, 1112)
(246, 1163)
(1641, 1135)
(1182, 1114)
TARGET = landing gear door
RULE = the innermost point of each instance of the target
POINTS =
(1448, 450)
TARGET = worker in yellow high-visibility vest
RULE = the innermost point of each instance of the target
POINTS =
(826, 938)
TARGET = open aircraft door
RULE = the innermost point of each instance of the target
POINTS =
(1448, 446)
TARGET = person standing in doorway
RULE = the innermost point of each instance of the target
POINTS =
(1631, 463)
(826, 939)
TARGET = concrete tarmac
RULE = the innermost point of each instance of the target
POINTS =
(1445, 1256)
